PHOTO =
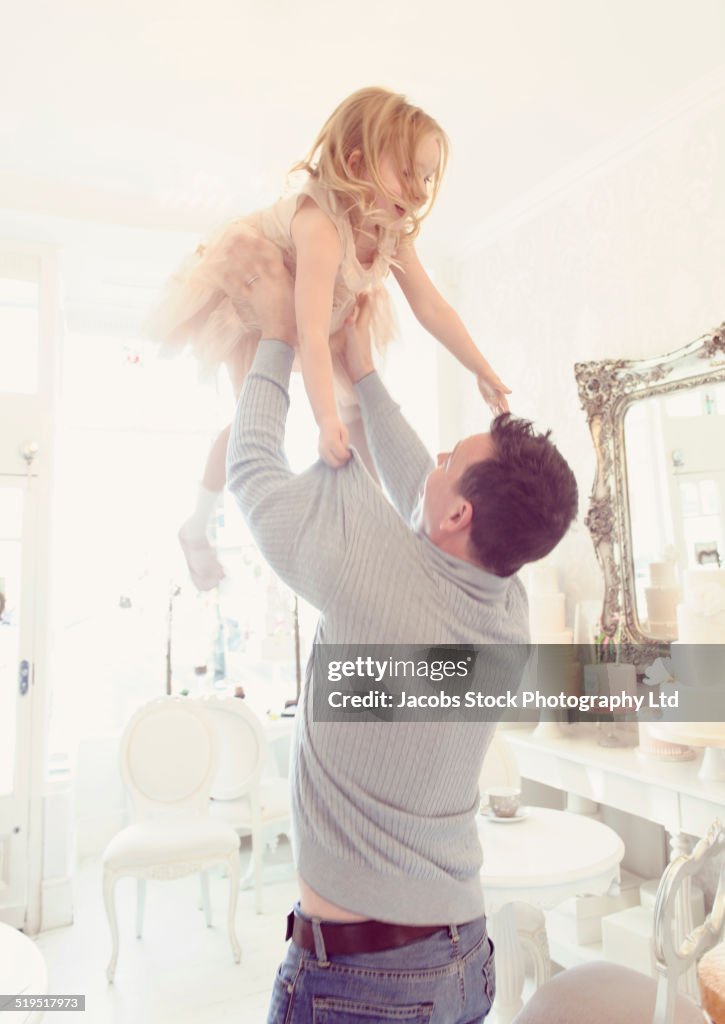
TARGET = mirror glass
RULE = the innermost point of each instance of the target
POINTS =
(675, 461)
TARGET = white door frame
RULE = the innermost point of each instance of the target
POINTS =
(15, 805)
(23, 419)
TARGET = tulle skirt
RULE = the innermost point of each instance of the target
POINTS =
(196, 310)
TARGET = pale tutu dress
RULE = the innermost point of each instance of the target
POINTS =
(195, 310)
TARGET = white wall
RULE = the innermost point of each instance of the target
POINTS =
(626, 261)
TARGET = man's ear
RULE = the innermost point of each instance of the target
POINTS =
(459, 516)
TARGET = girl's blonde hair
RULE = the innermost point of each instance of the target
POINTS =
(376, 123)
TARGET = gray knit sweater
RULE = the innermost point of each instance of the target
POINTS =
(384, 814)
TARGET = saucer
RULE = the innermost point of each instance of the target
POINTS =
(521, 815)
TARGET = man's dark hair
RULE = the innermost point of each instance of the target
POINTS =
(524, 498)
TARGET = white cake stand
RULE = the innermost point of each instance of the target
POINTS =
(710, 735)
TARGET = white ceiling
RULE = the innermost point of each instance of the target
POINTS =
(177, 112)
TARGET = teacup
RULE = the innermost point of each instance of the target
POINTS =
(504, 801)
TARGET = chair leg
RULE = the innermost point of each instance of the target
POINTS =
(140, 905)
(233, 896)
(206, 902)
(257, 851)
(109, 887)
(247, 878)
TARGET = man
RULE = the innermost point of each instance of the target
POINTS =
(390, 923)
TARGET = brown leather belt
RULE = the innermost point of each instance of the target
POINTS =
(357, 936)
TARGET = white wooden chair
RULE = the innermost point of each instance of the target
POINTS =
(241, 795)
(599, 993)
(168, 756)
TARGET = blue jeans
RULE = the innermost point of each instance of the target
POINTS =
(447, 978)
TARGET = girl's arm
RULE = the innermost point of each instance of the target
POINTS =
(441, 320)
(319, 252)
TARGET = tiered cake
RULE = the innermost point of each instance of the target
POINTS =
(662, 597)
(701, 617)
(547, 607)
(652, 746)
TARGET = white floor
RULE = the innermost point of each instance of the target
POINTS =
(181, 971)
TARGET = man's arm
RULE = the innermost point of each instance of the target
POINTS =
(297, 520)
(400, 457)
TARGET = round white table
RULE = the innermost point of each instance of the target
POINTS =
(22, 972)
(543, 859)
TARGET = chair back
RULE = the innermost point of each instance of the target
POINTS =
(674, 956)
(242, 746)
(169, 754)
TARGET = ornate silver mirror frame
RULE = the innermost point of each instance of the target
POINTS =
(607, 390)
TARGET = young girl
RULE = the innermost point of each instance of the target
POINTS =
(373, 174)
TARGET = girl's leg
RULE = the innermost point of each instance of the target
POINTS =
(204, 566)
(215, 470)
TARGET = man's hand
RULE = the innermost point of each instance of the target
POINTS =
(254, 272)
(356, 355)
(333, 443)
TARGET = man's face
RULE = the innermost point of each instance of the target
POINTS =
(441, 496)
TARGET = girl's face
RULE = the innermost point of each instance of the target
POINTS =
(417, 179)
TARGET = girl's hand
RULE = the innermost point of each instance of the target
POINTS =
(493, 390)
(333, 443)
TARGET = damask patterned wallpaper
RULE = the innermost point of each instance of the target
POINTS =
(630, 261)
